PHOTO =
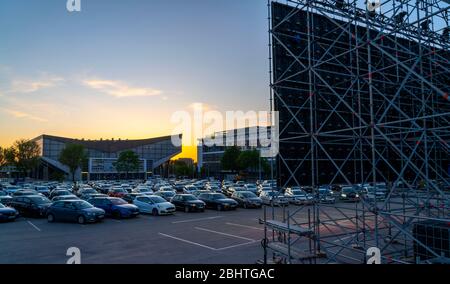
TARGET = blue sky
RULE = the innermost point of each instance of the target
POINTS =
(121, 68)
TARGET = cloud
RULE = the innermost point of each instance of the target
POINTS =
(30, 86)
(120, 89)
(24, 115)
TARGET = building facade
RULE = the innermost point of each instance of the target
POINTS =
(102, 155)
(209, 156)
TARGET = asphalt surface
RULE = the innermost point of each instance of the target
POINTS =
(212, 237)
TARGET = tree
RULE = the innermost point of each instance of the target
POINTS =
(73, 156)
(182, 169)
(229, 159)
(127, 162)
(249, 160)
(2, 158)
(24, 155)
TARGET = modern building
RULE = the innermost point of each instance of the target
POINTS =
(102, 154)
(209, 156)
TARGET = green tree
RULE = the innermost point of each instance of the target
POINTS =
(249, 160)
(2, 158)
(229, 159)
(24, 155)
(182, 169)
(73, 156)
(127, 162)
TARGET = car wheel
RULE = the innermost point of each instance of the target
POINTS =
(50, 218)
(219, 207)
(155, 212)
(116, 214)
(186, 209)
(81, 220)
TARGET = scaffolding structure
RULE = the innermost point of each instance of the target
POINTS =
(362, 95)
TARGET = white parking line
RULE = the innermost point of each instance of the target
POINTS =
(225, 234)
(245, 226)
(34, 226)
(195, 220)
(239, 245)
(205, 246)
(186, 241)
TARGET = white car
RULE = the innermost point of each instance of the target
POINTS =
(143, 189)
(167, 188)
(155, 205)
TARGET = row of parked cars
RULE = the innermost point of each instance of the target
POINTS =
(90, 202)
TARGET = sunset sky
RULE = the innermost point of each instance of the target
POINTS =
(120, 69)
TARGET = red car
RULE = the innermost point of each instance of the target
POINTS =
(117, 192)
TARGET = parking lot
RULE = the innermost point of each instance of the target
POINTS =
(210, 237)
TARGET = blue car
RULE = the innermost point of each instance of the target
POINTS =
(74, 210)
(115, 207)
(7, 213)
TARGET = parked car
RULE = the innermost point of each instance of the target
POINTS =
(296, 195)
(167, 195)
(42, 189)
(325, 195)
(167, 188)
(143, 189)
(7, 213)
(32, 205)
(129, 197)
(115, 207)
(26, 192)
(349, 193)
(10, 189)
(82, 193)
(189, 189)
(74, 210)
(198, 192)
(92, 195)
(218, 201)
(61, 192)
(251, 187)
(153, 204)
(65, 197)
(371, 193)
(247, 199)
(117, 192)
(5, 198)
(272, 197)
(188, 203)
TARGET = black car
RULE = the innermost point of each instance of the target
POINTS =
(26, 192)
(33, 205)
(188, 203)
(7, 213)
(5, 198)
(75, 211)
(247, 199)
(218, 201)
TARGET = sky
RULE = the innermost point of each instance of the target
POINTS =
(120, 69)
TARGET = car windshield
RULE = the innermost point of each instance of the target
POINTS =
(64, 192)
(120, 190)
(157, 199)
(248, 194)
(347, 190)
(218, 196)
(189, 198)
(271, 193)
(298, 192)
(2, 206)
(117, 201)
(40, 200)
(82, 205)
(3, 193)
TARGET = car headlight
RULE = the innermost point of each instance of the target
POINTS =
(90, 214)
(357, 195)
(344, 195)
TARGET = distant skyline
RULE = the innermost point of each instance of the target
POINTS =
(119, 69)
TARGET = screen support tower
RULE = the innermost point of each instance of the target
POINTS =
(362, 93)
